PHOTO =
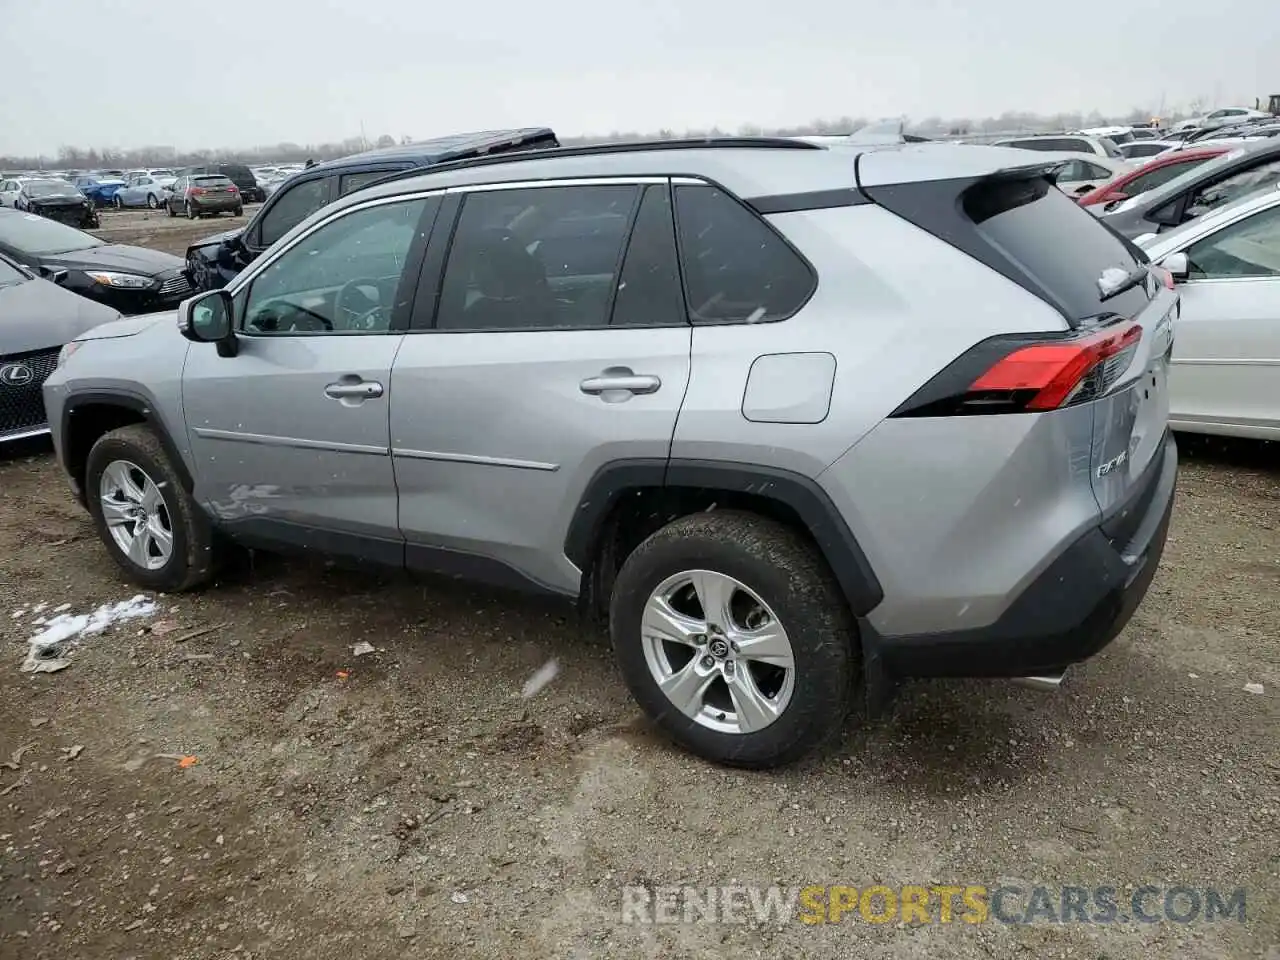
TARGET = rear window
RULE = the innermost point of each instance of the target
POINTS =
(235, 170)
(211, 181)
(1058, 246)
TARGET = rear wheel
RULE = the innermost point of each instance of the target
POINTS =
(151, 201)
(190, 209)
(150, 525)
(732, 635)
(238, 212)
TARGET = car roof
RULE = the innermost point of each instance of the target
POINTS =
(437, 150)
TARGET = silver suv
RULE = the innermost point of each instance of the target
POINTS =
(798, 421)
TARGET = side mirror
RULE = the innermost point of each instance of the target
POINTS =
(207, 318)
(1177, 265)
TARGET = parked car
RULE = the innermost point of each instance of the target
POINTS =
(9, 190)
(203, 195)
(57, 200)
(1064, 143)
(128, 279)
(145, 190)
(37, 318)
(1204, 187)
(1145, 149)
(246, 183)
(215, 260)
(1079, 173)
(1148, 176)
(1146, 133)
(351, 392)
(1117, 135)
(1225, 374)
(100, 191)
(1231, 115)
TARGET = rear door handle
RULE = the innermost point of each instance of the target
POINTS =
(620, 378)
(358, 390)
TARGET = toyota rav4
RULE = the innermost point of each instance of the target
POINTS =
(795, 420)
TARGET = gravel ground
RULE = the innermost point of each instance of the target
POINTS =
(409, 802)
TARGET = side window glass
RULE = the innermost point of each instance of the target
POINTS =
(293, 206)
(649, 292)
(544, 258)
(1248, 248)
(354, 181)
(1095, 172)
(736, 268)
(340, 279)
(1233, 187)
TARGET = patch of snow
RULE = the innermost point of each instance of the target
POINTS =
(45, 648)
(541, 677)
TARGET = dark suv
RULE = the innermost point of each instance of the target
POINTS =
(215, 261)
(237, 173)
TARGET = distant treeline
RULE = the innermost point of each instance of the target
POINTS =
(81, 158)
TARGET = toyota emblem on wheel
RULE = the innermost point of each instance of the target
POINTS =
(16, 375)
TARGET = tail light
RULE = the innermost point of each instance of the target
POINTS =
(196, 191)
(233, 188)
(1023, 375)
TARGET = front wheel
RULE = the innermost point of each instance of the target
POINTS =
(734, 638)
(117, 202)
(168, 205)
(150, 525)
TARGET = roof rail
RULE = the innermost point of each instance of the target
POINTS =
(594, 149)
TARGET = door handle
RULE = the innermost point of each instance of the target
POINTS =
(360, 390)
(620, 378)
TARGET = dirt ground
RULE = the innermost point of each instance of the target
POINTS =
(409, 802)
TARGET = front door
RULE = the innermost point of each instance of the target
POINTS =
(290, 436)
(1226, 355)
(560, 343)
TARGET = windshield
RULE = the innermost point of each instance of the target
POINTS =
(50, 188)
(37, 236)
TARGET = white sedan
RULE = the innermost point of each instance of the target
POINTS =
(1225, 377)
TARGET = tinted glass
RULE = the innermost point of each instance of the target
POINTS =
(235, 171)
(1093, 171)
(736, 268)
(1248, 248)
(354, 181)
(649, 289)
(292, 207)
(35, 235)
(543, 258)
(50, 188)
(211, 181)
(1233, 187)
(342, 279)
(1154, 178)
(1057, 244)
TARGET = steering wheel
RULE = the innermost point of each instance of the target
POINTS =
(359, 318)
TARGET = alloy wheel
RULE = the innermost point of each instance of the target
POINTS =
(136, 515)
(718, 652)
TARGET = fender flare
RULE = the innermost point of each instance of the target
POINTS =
(613, 481)
(140, 405)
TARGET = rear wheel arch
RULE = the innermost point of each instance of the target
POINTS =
(89, 416)
(627, 500)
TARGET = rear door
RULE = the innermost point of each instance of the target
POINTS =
(558, 343)
(1226, 363)
(290, 435)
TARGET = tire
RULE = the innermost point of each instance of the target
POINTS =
(152, 203)
(238, 212)
(169, 206)
(191, 560)
(190, 210)
(117, 202)
(782, 569)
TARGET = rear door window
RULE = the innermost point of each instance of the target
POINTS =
(1059, 247)
(355, 181)
(1161, 175)
(1247, 248)
(293, 206)
(737, 269)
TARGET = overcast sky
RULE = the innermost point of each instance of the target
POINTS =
(126, 73)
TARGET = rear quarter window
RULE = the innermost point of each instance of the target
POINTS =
(737, 268)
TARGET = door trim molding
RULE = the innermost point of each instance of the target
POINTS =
(269, 440)
(409, 454)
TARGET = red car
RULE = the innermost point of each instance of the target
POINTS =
(1159, 169)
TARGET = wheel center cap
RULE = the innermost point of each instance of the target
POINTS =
(718, 648)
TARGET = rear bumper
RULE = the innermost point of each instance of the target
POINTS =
(219, 205)
(1071, 611)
